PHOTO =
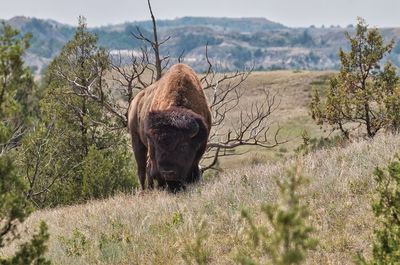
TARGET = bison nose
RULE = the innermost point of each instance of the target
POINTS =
(166, 168)
(169, 173)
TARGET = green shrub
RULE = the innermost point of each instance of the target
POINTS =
(195, 252)
(16, 92)
(362, 97)
(106, 172)
(311, 144)
(113, 243)
(31, 252)
(76, 245)
(285, 238)
(77, 150)
(386, 246)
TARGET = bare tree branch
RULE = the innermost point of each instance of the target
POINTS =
(12, 140)
(181, 56)
(226, 93)
(251, 126)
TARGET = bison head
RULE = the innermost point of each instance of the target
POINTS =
(177, 139)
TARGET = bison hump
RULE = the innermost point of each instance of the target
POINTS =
(179, 87)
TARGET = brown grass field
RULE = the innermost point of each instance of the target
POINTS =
(160, 228)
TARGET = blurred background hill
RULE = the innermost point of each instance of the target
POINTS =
(233, 42)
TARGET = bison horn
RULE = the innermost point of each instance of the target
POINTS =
(194, 130)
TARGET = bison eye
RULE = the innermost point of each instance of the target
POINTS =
(183, 147)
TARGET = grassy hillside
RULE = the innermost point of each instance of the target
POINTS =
(157, 227)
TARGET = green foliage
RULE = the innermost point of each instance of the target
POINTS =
(16, 88)
(76, 245)
(112, 246)
(31, 252)
(391, 101)
(14, 108)
(13, 208)
(362, 94)
(311, 144)
(286, 237)
(113, 242)
(106, 171)
(78, 150)
(177, 219)
(110, 249)
(195, 252)
(386, 248)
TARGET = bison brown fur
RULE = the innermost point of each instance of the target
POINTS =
(169, 122)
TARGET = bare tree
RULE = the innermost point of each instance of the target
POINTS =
(131, 76)
(225, 91)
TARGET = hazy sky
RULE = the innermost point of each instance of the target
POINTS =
(381, 13)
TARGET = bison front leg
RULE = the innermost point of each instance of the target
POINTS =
(140, 151)
(150, 174)
(194, 174)
(153, 174)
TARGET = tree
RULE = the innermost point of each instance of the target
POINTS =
(16, 86)
(362, 94)
(386, 246)
(14, 207)
(286, 237)
(77, 150)
(225, 92)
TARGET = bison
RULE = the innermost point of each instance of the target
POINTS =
(169, 123)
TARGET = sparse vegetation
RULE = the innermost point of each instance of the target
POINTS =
(75, 245)
(361, 95)
(386, 207)
(338, 199)
(195, 251)
(286, 237)
(312, 144)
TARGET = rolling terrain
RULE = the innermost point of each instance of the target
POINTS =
(161, 228)
(234, 43)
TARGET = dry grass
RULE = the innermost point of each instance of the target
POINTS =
(293, 90)
(157, 228)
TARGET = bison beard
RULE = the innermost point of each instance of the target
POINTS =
(169, 122)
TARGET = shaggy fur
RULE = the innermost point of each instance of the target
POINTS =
(176, 121)
(169, 122)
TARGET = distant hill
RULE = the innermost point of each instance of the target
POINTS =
(220, 24)
(234, 43)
